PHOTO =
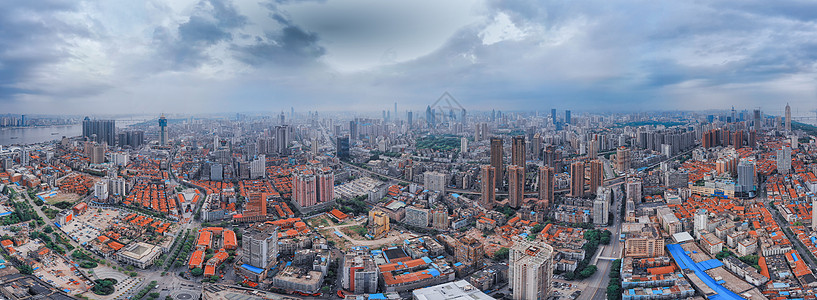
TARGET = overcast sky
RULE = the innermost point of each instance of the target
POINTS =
(148, 56)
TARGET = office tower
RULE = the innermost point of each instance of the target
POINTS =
(496, 160)
(260, 246)
(601, 206)
(546, 184)
(596, 175)
(633, 188)
(409, 118)
(553, 115)
(463, 145)
(326, 185)
(162, 131)
(282, 137)
(516, 185)
(488, 185)
(518, 151)
(23, 120)
(396, 116)
(353, 130)
(99, 130)
(282, 118)
(757, 122)
(784, 160)
(567, 117)
(378, 223)
(304, 188)
(788, 118)
(430, 117)
(746, 176)
(623, 159)
(342, 147)
(577, 179)
(434, 181)
(530, 269)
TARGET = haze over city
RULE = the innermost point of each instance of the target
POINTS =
(206, 56)
(408, 150)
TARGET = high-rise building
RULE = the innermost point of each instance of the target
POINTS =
(258, 167)
(434, 181)
(409, 118)
(633, 188)
(256, 205)
(378, 223)
(488, 185)
(463, 145)
(304, 188)
(623, 159)
(788, 118)
(342, 147)
(516, 185)
(577, 179)
(518, 151)
(496, 160)
(100, 131)
(162, 131)
(596, 175)
(784, 160)
(326, 185)
(469, 251)
(601, 206)
(701, 221)
(814, 214)
(553, 116)
(353, 130)
(546, 180)
(101, 190)
(746, 176)
(567, 117)
(282, 137)
(360, 273)
(757, 123)
(530, 269)
(260, 245)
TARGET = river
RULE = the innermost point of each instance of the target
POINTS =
(33, 135)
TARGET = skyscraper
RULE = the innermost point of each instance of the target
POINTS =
(746, 176)
(516, 185)
(567, 117)
(260, 245)
(342, 147)
(596, 175)
(518, 151)
(633, 188)
(496, 160)
(409, 118)
(488, 184)
(326, 185)
(100, 131)
(353, 130)
(162, 131)
(601, 206)
(546, 184)
(577, 179)
(788, 117)
(282, 138)
(553, 115)
(530, 269)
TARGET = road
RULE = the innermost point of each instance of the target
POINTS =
(797, 243)
(597, 288)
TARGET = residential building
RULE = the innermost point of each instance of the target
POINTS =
(530, 270)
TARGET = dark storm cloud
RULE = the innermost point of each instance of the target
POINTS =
(29, 39)
(211, 22)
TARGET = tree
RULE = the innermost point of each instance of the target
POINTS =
(613, 292)
(196, 272)
(502, 253)
(588, 271)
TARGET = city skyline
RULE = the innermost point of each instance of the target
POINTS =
(217, 55)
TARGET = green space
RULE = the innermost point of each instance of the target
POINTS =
(439, 143)
(104, 287)
(22, 212)
(614, 287)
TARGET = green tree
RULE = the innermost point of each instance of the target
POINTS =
(502, 253)
(196, 272)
